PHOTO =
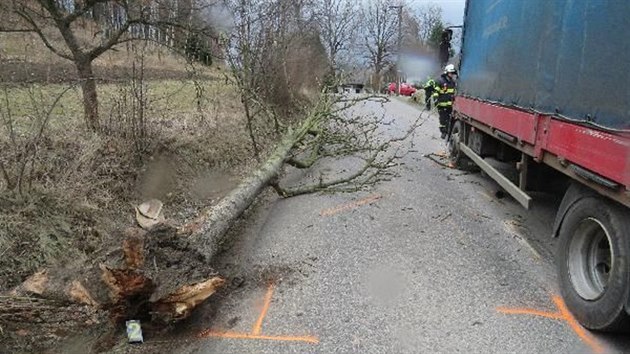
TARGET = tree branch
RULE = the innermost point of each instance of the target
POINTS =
(314, 156)
(322, 185)
(82, 9)
(112, 41)
(16, 30)
(374, 168)
(7, 178)
(36, 29)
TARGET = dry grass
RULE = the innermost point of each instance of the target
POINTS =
(82, 186)
(28, 48)
(24, 59)
(85, 185)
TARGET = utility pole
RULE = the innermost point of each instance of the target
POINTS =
(398, 71)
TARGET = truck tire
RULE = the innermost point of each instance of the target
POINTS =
(458, 158)
(592, 261)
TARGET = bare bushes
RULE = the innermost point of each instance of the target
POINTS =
(296, 74)
(129, 107)
(34, 226)
(277, 62)
(65, 190)
(24, 132)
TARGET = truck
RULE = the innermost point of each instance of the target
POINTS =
(544, 86)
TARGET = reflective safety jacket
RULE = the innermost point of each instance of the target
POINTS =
(444, 93)
(429, 85)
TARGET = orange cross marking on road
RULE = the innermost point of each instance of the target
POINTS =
(349, 206)
(256, 332)
(562, 314)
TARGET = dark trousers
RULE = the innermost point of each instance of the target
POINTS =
(427, 99)
(445, 119)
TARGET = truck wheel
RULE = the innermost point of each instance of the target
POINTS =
(593, 255)
(459, 159)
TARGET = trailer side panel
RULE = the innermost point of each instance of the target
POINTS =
(561, 58)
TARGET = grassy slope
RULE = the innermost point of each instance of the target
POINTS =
(85, 185)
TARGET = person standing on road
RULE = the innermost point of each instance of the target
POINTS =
(444, 95)
(429, 89)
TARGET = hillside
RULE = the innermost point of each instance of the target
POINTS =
(173, 131)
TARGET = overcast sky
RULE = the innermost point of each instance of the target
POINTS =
(452, 10)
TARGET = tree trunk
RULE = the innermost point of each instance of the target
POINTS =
(379, 79)
(208, 229)
(90, 98)
(164, 271)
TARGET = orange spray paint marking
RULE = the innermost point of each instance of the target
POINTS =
(237, 335)
(257, 328)
(349, 206)
(576, 327)
(258, 325)
(564, 315)
(533, 312)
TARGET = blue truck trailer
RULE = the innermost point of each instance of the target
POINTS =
(545, 85)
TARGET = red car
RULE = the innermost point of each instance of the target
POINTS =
(405, 89)
(391, 88)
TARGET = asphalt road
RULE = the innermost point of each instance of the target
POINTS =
(430, 262)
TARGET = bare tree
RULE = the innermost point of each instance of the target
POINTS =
(272, 56)
(381, 32)
(411, 29)
(251, 40)
(61, 25)
(338, 21)
(428, 16)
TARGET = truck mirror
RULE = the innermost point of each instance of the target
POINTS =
(445, 46)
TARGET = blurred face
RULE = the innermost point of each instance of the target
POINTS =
(453, 76)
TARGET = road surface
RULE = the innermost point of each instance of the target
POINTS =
(433, 261)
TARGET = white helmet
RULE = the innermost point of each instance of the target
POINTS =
(450, 68)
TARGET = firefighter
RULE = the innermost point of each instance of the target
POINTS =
(429, 89)
(444, 95)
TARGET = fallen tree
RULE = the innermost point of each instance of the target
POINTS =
(163, 273)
